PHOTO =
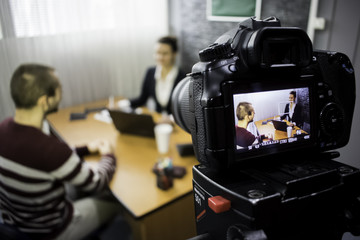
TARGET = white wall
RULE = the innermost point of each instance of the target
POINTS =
(266, 104)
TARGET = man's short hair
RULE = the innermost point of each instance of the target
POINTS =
(243, 109)
(31, 81)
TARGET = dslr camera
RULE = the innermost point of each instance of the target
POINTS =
(265, 111)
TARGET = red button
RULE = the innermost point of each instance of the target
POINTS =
(219, 204)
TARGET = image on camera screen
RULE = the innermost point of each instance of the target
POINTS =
(271, 118)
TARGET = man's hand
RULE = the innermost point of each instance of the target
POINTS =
(101, 146)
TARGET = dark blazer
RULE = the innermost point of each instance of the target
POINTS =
(297, 115)
(148, 90)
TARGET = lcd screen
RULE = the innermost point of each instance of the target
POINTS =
(271, 119)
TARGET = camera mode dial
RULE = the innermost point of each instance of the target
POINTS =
(215, 51)
(332, 119)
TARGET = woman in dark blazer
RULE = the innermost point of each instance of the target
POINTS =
(160, 80)
(293, 111)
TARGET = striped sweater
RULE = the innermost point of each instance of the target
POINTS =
(33, 170)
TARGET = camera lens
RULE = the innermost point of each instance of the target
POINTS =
(180, 104)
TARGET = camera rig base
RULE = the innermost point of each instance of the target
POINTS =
(296, 199)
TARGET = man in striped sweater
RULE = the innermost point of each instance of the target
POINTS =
(34, 167)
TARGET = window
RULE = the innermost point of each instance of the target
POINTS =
(233, 10)
(47, 17)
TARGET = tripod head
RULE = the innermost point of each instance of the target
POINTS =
(289, 200)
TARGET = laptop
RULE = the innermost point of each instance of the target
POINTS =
(132, 123)
(280, 125)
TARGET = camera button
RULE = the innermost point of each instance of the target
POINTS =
(219, 204)
(232, 68)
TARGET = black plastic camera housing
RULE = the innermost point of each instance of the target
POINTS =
(261, 60)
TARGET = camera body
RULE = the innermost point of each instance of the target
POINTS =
(264, 111)
(262, 63)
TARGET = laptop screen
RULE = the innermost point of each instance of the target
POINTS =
(132, 123)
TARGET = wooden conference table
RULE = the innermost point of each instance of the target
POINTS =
(151, 212)
(266, 127)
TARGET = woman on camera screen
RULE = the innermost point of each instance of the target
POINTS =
(293, 111)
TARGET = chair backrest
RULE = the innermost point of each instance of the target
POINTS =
(11, 233)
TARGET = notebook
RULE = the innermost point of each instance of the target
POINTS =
(280, 125)
(132, 123)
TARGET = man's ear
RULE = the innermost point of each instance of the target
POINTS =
(42, 101)
(247, 117)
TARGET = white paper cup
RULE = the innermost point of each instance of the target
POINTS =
(289, 131)
(162, 135)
